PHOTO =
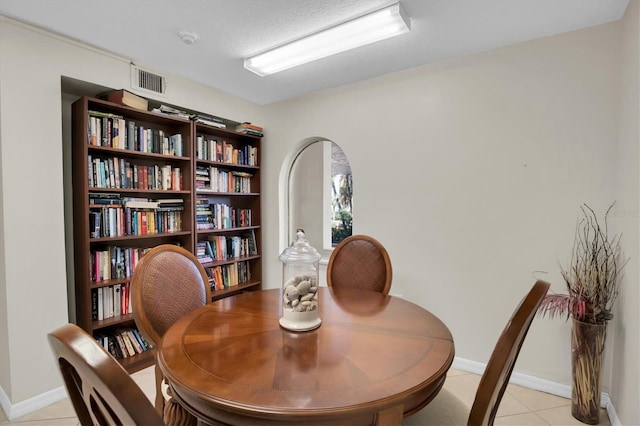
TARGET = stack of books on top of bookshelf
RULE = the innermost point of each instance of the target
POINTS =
(124, 97)
(209, 120)
(250, 129)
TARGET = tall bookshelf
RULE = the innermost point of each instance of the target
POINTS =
(226, 186)
(129, 196)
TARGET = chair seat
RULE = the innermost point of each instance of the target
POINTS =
(445, 410)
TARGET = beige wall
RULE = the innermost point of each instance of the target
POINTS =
(469, 171)
(624, 330)
(306, 196)
(4, 320)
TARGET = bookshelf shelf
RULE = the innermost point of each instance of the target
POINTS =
(228, 230)
(228, 165)
(137, 179)
(221, 294)
(131, 153)
(229, 261)
(228, 194)
(139, 237)
(136, 191)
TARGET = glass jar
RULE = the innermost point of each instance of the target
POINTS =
(300, 285)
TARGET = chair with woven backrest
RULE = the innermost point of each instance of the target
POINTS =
(446, 409)
(100, 389)
(360, 261)
(168, 283)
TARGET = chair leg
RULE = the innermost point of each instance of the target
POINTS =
(159, 404)
(171, 411)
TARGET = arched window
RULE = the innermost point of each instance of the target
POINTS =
(318, 194)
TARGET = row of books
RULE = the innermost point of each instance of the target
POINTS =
(114, 172)
(117, 221)
(123, 342)
(114, 262)
(225, 276)
(217, 180)
(220, 216)
(221, 247)
(250, 129)
(224, 152)
(114, 131)
(111, 301)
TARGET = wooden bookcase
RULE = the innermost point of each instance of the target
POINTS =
(227, 188)
(111, 226)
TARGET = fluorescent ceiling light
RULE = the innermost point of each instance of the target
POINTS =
(379, 25)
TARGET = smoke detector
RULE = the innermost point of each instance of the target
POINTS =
(188, 37)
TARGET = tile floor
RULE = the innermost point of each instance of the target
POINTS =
(519, 406)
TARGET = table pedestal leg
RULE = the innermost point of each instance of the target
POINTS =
(391, 416)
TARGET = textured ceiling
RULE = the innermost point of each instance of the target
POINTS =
(146, 32)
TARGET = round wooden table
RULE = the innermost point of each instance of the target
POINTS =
(373, 359)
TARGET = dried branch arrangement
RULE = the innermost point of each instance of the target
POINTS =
(593, 274)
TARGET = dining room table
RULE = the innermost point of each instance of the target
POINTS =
(374, 359)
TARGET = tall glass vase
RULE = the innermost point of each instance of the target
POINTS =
(587, 347)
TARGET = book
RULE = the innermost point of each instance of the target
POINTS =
(169, 110)
(95, 224)
(252, 133)
(145, 345)
(124, 97)
(209, 120)
(248, 126)
(100, 303)
(117, 301)
(139, 204)
(134, 341)
(121, 345)
(128, 345)
(170, 202)
(250, 129)
(94, 305)
(114, 348)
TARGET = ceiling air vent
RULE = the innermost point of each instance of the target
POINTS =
(147, 81)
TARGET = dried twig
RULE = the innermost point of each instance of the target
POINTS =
(593, 274)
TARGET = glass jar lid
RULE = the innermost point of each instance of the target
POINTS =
(300, 250)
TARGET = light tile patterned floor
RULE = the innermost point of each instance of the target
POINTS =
(519, 406)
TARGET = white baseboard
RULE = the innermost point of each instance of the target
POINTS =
(611, 411)
(22, 408)
(538, 384)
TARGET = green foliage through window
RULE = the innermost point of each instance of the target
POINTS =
(342, 194)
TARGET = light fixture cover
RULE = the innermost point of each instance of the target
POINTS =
(375, 26)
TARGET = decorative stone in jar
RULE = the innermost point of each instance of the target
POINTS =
(300, 285)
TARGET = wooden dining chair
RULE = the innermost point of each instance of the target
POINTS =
(362, 262)
(446, 409)
(168, 283)
(100, 389)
